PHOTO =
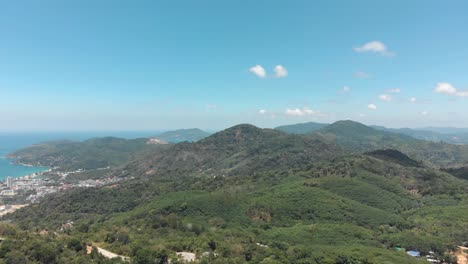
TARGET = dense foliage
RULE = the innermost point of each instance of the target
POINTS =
(90, 154)
(356, 137)
(250, 195)
(303, 128)
(181, 135)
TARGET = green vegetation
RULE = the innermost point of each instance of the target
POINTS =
(240, 150)
(250, 195)
(304, 128)
(28, 247)
(447, 135)
(358, 138)
(90, 154)
(460, 172)
(451, 136)
(181, 135)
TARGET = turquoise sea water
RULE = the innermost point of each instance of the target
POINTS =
(13, 170)
(10, 142)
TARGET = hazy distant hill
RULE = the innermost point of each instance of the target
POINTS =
(356, 137)
(448, 135)
(447, 130)
(456, 136)
(303, 128)
(180, 135)
(359, 137)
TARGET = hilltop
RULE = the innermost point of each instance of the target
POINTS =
(181, 135)
(394, 156)
(242, 149)
(452, 136)
(303, 128)
(358, 138)
(90, 154)
(447, 135)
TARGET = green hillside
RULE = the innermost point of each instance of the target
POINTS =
(303, 128)
(250, 195)
(181, 135)
(240, 150)
(90, 154)
(358, 138)
(454, 136)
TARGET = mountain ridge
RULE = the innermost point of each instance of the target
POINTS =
(180, 135)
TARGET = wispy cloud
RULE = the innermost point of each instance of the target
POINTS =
(258, 70)
(301, 112)
(346, 89)
(280, 71)
(385, 97)
(372, 107)
(394, 90)
(413, 99)
(374, 47)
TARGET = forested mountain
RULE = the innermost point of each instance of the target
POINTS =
(303, 128)
(90, 154)
(447, 135)
(356, 137)
(242, 149)
(251, 195)
(455, 137)
(180, 135)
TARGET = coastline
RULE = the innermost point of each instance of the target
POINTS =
(30, 170)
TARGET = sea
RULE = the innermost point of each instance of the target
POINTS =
(10, 142)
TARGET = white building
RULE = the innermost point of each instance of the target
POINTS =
(9, 182)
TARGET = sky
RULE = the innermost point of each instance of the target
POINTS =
(149, 65)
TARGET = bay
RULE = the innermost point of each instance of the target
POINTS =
(10, 142)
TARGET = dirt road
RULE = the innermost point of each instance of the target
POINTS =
(462, 255)
(107, 253)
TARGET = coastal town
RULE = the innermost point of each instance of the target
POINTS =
(16, 193)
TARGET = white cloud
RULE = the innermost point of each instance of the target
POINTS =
(375, 47)
(361, 74)
(445, 88)
(362, 115)
(449, 89)
(262, 111)
(258, 70)
(413, 99)
(385, 97)
(424, 113)
(211, 106)
(395, 90)
(280, 71)
(300, 112)
(372, 107)
(346, 89)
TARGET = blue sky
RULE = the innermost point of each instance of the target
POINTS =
(147, 65)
